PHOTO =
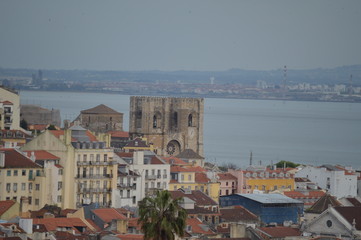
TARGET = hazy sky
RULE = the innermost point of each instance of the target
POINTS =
(179, 35)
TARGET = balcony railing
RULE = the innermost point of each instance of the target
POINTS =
(122, 185)
(95, 190)
(150, 177)
(95, 163)
(94, 176)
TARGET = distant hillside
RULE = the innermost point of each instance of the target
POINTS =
(233, 76)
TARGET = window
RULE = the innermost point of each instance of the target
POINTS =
(182, 177)
(189, 177)
(37, 201)
(175, 187)
(226, 183)
(15, 187)
(30, 186)
(15, 172)
(146, 173)
(79, 157)
(158, 185)
(98, 157)
(23, 186)
(60, 185)
(37, 187)
(60, 171)
(37, 173)
(84, 158)
(105, 157)
(59, 199)
(104, 171)
(175, 120)
(91, 157)
(8, 173)
(190, 120)
(91, 172)
(8, 187)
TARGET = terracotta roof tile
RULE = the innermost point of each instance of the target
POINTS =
(174, 161)
(133, 222)
(108, 214)
(42, 155)
(51, 224)
(14, 159)
(201, 178)
(189, 154)
(236, 214)
(195, 223)
(186, 169)
(100, 109)
(323, 203)
(226, 176)
(7, 103)
(120, 134)
(280, 232)
(200, 198)
(354, 201)
(6, 205)
(130, 236)
(351, 214)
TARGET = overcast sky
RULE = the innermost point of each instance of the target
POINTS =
(179, 35)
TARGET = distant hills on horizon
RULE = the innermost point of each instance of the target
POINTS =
(337, 75)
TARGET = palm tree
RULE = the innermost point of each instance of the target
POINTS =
(161, 217)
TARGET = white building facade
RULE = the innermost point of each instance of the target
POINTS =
(338, 181)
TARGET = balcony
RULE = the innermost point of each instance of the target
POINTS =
(94, 190)
(122, 185)
(93, 176)
(95, 163)
(151, 177)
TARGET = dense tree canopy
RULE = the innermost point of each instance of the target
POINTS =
(162, 217)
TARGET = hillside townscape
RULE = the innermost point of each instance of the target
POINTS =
(88, 178)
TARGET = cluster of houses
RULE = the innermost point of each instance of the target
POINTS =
(73, 183)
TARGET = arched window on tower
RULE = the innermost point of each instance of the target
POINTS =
(175, 119)
(154, 121)
(190, 120)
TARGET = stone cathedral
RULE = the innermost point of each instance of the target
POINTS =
(170, 124)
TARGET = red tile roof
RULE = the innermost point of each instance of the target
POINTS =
(130, 236)
(309, 194)
(201, 178)
(6, 205)
(108, 214)
(226, 176)
(156, 160)
(124, 154)
(100, 109)
(51, 224)
(39, 127)
(133, 222)
(236, 214)
(195, 223)
(42, 155)
(58, 133)
(14, 159)
(119, 134)
(351, 214)
(186, 169)
(174, 161)
(279, 231)
(200, 198)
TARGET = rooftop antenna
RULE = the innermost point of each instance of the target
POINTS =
(284, 81)
(250, 158)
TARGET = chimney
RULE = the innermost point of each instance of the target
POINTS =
(32, 156)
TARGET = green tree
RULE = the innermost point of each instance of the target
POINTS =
(24, 124)
(282, 164)
(162, 217)
(51, 127)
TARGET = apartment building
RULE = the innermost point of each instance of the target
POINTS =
(9, 109)
(154, 172)
(90, 174)
(337, 180)
(22, 180)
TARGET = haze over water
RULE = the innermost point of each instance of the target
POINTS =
(304, 132)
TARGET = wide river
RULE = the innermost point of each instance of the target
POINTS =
(303, 132)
